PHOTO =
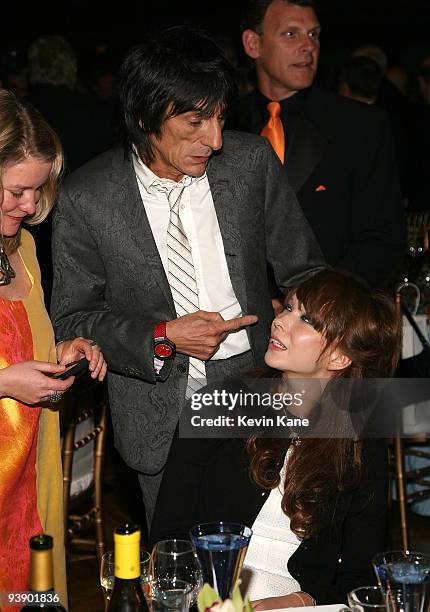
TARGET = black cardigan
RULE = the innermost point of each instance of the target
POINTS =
(207, 480)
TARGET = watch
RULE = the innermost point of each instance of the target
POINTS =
(164, 348)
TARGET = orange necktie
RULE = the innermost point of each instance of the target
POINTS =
(274, 130)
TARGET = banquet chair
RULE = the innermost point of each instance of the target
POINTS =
(418, 226)
(83, 454)
(413, 484)
(412, 477)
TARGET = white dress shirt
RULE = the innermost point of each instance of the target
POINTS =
(198, 216)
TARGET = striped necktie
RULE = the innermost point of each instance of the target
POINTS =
(182, 280)
(274, 130)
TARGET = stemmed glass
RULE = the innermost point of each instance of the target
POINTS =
(171, 595)
(404, 578)
(107, 572)
(221, 548)
(176, 560)
(367, 599)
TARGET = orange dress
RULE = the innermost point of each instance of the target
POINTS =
(30, 462)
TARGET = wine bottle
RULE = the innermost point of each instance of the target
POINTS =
(42, 594)
(127, 594)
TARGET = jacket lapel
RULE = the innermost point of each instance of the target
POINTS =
(227, 197)
(304, 152)
(137, 223)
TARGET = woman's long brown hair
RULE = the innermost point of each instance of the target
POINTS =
(364, 325)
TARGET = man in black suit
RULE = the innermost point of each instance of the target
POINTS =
(339, 155)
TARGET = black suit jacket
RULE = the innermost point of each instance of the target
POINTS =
(340, 162)
(208, 480)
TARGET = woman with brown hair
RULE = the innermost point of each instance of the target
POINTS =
(316, 505)
(332, 327)
(30, 470)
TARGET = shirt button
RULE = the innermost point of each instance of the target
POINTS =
(181, 368)
(182, 206)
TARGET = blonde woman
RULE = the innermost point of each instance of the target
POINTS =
(30, 471)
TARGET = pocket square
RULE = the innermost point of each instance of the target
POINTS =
(321, 188)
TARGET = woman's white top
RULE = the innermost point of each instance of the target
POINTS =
(265, 572)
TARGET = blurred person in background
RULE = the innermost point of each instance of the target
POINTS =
(419, 155)
(400, 113)
(76, 118)
(52, 66)
(399, 77)
(98, 72)
(360, 79)
(241, 70)
(13, 69)
(423, 78)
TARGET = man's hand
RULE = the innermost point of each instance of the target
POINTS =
(199, 334)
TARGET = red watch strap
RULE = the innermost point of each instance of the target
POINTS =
(160, 330)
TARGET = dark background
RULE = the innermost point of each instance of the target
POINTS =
(397, 26)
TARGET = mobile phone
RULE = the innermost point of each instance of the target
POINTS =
(76, 368)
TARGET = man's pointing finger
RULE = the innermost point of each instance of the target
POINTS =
(235, 324)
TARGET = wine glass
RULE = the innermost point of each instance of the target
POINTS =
(176, 560)
(367, 599)
(221, 548)
(404, 577)
(171, 595)
(107, 573)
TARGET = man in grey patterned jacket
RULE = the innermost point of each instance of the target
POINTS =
(116, 270)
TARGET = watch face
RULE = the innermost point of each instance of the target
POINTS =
(163, 350)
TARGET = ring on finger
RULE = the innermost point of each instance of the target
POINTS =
(55, 397)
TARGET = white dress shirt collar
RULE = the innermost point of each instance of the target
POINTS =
(151, 182)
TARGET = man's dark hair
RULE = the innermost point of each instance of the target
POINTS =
(363, 76)
(179, 70)
(254, 11)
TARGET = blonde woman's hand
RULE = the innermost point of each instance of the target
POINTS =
(73, 350)
(31, 382)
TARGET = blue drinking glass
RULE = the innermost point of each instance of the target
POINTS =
(404, 577)
(221, 548)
